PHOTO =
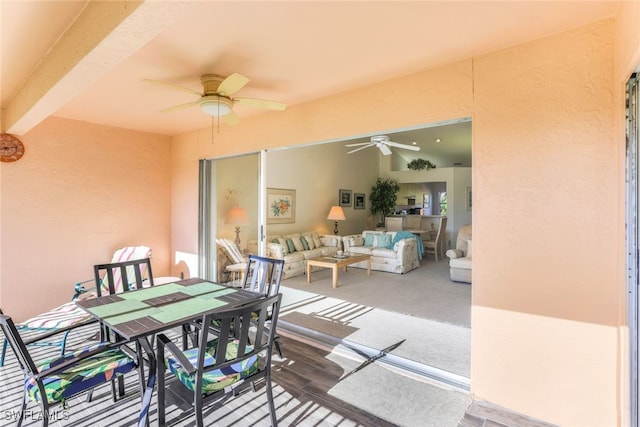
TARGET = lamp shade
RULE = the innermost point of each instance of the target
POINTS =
(336, 214)
(237, 216)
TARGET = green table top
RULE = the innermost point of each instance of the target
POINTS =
(151, 310)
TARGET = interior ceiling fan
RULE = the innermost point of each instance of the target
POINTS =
(215, 98)
(383, 143)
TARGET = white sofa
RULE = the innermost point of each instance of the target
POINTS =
(460, 257)
(386, 255)
(295, 249)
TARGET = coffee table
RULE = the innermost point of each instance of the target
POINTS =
(335, 263)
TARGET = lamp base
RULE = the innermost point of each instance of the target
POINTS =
(335, 228)
(237, 241)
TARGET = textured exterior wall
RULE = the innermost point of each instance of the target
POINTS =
(548, 244)
(80, 192)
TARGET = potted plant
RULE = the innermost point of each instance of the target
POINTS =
(383, 198)
(420, 164)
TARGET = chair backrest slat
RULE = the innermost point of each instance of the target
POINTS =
(112, 274)
(128, 253)
(263, 275)
(251, 317)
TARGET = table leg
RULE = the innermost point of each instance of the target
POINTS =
(335, 276)
(143, 419)
(308, 273)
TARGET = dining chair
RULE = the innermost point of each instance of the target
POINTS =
(436, 247)
(224, 362)
(119, 277)
(393, 223)
(67, 316)
(55, 380)
(263, 275)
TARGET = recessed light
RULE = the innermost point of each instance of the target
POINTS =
(438, 140)
(414, 143)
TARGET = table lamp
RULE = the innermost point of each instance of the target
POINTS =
(237, 216)
(336, 214)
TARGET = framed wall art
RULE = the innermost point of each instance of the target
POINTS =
(281, 206)
(358, 200)
(469, 198)
(344, 196)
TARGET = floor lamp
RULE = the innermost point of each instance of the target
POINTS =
(237, 216)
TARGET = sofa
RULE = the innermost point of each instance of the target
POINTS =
(387, 253)
(460, 257)
(295, 249)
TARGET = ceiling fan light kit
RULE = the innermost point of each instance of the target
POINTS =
(215, 98)
(214, 105)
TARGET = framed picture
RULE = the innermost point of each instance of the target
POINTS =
(469, 198)
(344, 196)
(358, 200)
(281, 206)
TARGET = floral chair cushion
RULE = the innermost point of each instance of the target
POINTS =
(216, 379)
(82, 375)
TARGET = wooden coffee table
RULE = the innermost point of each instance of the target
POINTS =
(335, 263)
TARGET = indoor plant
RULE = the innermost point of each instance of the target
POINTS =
(419, 164)
(383, 198)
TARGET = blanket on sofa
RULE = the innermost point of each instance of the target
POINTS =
(406, 235)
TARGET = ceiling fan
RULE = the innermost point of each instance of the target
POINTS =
(383, 143)
(215, 98)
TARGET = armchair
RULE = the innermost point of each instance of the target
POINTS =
(460, 257)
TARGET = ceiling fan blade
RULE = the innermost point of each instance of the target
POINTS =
(172, 86)
(178, 107)
(360, 143)
(405, 146)
(358, 149)
(232, 84)
(231, 118)
(261, 103)
(385, 150)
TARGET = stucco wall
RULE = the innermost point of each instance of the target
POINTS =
(80, 192)
(547, 250)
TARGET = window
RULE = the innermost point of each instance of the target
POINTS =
(442, 201)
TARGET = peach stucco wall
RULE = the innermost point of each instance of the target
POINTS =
(80, 192)
(548, 282)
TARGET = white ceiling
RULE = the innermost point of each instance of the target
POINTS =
(292, 52)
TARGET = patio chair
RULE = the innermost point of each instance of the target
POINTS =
(68, 316)
(55, 380)
(263, 275)
(224, 362)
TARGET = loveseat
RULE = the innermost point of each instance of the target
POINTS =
(460, 257)
(295, 249)
(387, 253)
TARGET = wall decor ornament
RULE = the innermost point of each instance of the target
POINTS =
(344, 197)
(281, 206)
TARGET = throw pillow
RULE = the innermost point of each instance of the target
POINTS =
(316, 240)
(305, 244)
(382, 241)
(290, 246)
(295, 238)
(368, 239)
(310, 242)
(283, 242)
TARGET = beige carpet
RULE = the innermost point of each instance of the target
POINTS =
(425, 292)
(422, 307)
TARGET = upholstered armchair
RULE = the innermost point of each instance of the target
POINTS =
(460, 257)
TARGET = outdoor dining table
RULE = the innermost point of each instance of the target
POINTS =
(139, 315)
